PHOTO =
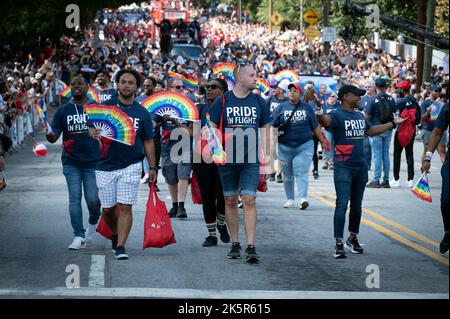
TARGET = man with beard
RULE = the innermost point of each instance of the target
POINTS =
(120, 167)
(104, 89)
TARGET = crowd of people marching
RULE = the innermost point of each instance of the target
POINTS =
(373, 99)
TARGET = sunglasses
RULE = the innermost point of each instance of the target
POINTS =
(212, 87)
(178, 87)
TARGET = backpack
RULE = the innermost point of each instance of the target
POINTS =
(386, 111)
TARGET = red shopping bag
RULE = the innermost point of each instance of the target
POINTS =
(195, 190)
(103, 229)
(262, 184)
(158, 230)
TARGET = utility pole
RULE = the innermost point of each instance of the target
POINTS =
(270, 16)
(326, 21)
(428, 54)
(301, 17)
(420, 47)
(240, 11)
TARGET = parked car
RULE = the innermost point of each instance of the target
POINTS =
(190, 51)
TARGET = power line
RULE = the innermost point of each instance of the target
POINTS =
(406, 36)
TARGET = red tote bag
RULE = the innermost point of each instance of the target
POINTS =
(195, 191)
(158, 230)
(103, 229)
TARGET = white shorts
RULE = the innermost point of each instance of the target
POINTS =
(120, 186)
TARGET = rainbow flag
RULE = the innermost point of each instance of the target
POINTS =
(263, 85)
(60, 85)
(218, 154)
(252, 56)
(41, 115)
(189, 83)
(422, 188)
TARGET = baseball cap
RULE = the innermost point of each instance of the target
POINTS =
(37, 76)
(380, 82)
(10, 79)
(404, 85)
(350, 89)
(296, 85)
(435, 87)
(273, 83)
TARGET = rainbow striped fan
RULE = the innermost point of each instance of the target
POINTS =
(226, 70)
(422, 188)
(172, 103)
(114, 123)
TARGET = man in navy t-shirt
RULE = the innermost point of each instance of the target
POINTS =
(242, 113)
(119, 170)
(104, 89)
(79, 158)
(350, 171)
(440, 126)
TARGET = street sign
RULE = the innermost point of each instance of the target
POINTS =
(276, 18)
(328, 34)
(311, 17)
(311, 33)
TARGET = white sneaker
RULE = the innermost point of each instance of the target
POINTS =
(289, 203)
(394, 183)
(410, 183)
(144, 179)
(303, 204)
(90, 232)
(78, 243)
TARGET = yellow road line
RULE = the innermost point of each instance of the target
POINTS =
(391, 234)
(393, 224)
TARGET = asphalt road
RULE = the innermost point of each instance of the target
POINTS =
(400, 234)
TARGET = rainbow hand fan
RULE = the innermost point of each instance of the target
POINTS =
(93, 94)
(219, 156)
(262, 85)
(60, 85)
(172, 103)
(268, 65)
(132, 59)
(422, 188)
(105, 51)
(226, 69)
(287, 75)
(114, 123)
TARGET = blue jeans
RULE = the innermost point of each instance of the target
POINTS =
(368, 151)
(76, 178)
(243, 177)
(380, 148)
(330, 154)
(349, 183)
(295, 162)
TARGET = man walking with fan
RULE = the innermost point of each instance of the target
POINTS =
(119, 170)
(79, 158)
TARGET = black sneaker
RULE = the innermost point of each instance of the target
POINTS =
(353, 246)
(340, 252)
(210, 241)
(120, 253)
(250, 254)
(240, 204)
(114, 242)
(224, 235)
(181, 213)
(373, 184)
(279, 178)
(443, 246)
(272, 177)
(156, 188)
(325, 166)
(316, 175)
(173, 212)
(385, 184)
(235, 251)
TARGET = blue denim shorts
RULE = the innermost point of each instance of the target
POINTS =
(242, 178)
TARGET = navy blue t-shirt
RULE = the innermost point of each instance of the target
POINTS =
(274, 103)
(349, 129)
(247, 114)
(166, 130)
(107, 94)
(302, 123)
(116, 155)
(428, 124)
(78, 148)
(373, 107)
